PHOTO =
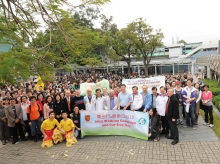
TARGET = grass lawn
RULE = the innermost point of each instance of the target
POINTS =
(216, 126)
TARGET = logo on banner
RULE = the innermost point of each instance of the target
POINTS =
(87, 118)
(142, 121)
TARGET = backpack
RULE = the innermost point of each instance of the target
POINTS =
(37, 106)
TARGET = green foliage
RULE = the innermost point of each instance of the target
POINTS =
(145, 40)
(182, 41)
(66, 40)
(214, 87)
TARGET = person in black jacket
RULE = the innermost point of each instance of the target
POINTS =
(78, 100)
(69, 102)
(59, 107)
(154, 130)
(172, 114)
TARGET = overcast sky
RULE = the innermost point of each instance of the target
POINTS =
(191, 20)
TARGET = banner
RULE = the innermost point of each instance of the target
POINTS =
(114, 122)
(93, 86)
(150, 82)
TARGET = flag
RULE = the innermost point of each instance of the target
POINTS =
(39, 83)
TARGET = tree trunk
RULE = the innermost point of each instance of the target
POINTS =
(129, 67)
(93, 71)
(145, 65)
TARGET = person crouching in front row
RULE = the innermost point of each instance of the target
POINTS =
(154, 132)
(67, 128)
(47, 128)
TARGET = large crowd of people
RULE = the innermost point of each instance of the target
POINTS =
(52, 114)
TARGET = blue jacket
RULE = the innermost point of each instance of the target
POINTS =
(148, 101)
(192, 95)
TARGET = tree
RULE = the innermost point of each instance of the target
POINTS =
(24, 18)
(20, 62)
(124, 46)
(145, 39)
(182, 41)
(23, 13)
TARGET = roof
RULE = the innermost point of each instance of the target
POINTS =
(175, 45)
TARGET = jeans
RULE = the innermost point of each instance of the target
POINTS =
(181, 113)
(191, 115)
(208, 111)
(27, 128)
(35, 124)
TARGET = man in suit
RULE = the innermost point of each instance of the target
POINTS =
(14, 115)
(172, 114)
(69, 102)
(111, 101)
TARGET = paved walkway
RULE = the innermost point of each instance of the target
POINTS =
(195, 147)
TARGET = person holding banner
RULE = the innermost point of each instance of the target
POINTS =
(88, 100)
(161, 107)
(104, 92)
(111, 102)
(98, 101)
(147, 99)
(154, 131)
(137, 100)
(154, 97)
(124, 99)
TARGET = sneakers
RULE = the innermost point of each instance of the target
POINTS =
(3, 142)
(15, 142)
(211, 125)
(157, 139)
(204, 123)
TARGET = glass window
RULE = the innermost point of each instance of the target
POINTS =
(183, 68)
(167, 69)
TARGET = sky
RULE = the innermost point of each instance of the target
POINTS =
(190, 20)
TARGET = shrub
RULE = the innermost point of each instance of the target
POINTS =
(214, 87)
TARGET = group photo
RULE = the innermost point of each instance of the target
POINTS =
(109, 82)
(51, 114)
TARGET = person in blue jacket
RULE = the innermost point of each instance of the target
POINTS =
(147, 99)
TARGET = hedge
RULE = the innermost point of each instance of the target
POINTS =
(215, 88)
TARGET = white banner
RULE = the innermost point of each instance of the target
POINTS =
(114, 122)
(150, 82)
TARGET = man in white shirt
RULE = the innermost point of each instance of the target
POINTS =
(137, 99)
(98, 100)
(88, 100)
(111, 101)
(161, 102)
(104, 92)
